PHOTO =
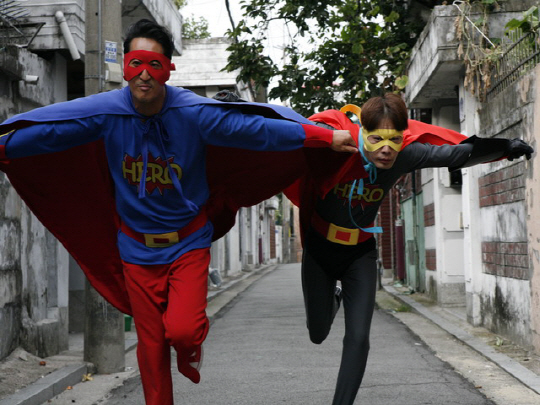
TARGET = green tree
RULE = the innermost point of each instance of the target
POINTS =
(352, 49)
(180, 3)
(193, 28)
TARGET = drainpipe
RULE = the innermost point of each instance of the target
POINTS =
(67, 35)
(100, 50)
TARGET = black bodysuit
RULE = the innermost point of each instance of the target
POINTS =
(325, 262)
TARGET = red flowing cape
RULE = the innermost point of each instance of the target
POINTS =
(71, 192)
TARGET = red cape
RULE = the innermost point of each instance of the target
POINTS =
(342, 168)
(71, 192)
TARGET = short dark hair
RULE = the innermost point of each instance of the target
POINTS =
(148, 29)
(389, 106)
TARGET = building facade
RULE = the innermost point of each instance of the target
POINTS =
(471, 238)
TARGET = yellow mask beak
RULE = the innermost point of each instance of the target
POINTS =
(378, 138)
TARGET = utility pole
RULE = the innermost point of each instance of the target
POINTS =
(104, 341)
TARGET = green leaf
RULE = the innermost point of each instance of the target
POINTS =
(401, 82)
(358, 48)
(513, 24)
(393, 17)
(375, 11)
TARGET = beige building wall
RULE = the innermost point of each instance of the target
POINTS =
(532, 186)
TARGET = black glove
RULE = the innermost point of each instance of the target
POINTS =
(517, 148)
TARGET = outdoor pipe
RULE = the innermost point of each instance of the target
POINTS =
(67, 35)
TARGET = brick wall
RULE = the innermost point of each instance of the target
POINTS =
(507, 259)
(431, 259)
(501, 258)
(502, 186)
(429, 215)
(429, 220)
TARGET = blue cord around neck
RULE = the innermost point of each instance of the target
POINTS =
(372, 172)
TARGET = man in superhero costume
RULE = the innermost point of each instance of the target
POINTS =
(337, 219)
(120, 178)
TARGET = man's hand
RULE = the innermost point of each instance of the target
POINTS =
(518, 148)
(342, 141)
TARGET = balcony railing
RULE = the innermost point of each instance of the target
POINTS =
(521, 55)
(14, 30)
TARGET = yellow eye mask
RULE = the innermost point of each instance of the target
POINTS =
(374, 140)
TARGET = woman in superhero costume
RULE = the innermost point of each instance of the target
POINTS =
(337, 222)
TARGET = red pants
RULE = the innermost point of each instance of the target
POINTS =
(169, 309)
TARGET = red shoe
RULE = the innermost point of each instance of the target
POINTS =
(191, 366)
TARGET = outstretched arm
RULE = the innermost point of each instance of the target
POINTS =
(48, 137)
(491, 149)
(232, 128)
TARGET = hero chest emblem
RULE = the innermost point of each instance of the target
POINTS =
(370, 194)
(157, 172)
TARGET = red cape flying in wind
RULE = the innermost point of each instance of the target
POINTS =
(72, 194)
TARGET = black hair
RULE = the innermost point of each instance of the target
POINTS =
(148, 29)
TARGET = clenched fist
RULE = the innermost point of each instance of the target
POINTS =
(517, 148)
(342, 141)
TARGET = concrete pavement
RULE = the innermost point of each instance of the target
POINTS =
(258, 352)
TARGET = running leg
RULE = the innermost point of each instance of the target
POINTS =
(186, 324)
(319, 298)
(359, 287)
(147, 287)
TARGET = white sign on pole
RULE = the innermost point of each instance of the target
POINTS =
(110, 52)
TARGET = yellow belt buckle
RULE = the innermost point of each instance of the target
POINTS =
(333, 232)
(150, 239)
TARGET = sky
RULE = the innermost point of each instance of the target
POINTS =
(215, 12)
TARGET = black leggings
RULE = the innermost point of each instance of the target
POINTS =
(356, 266)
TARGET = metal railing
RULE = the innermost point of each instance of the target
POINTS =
(14, 28)
(521, 55)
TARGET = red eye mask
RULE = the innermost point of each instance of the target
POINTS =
(146, 58)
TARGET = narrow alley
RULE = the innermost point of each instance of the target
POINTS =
(258, 352)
